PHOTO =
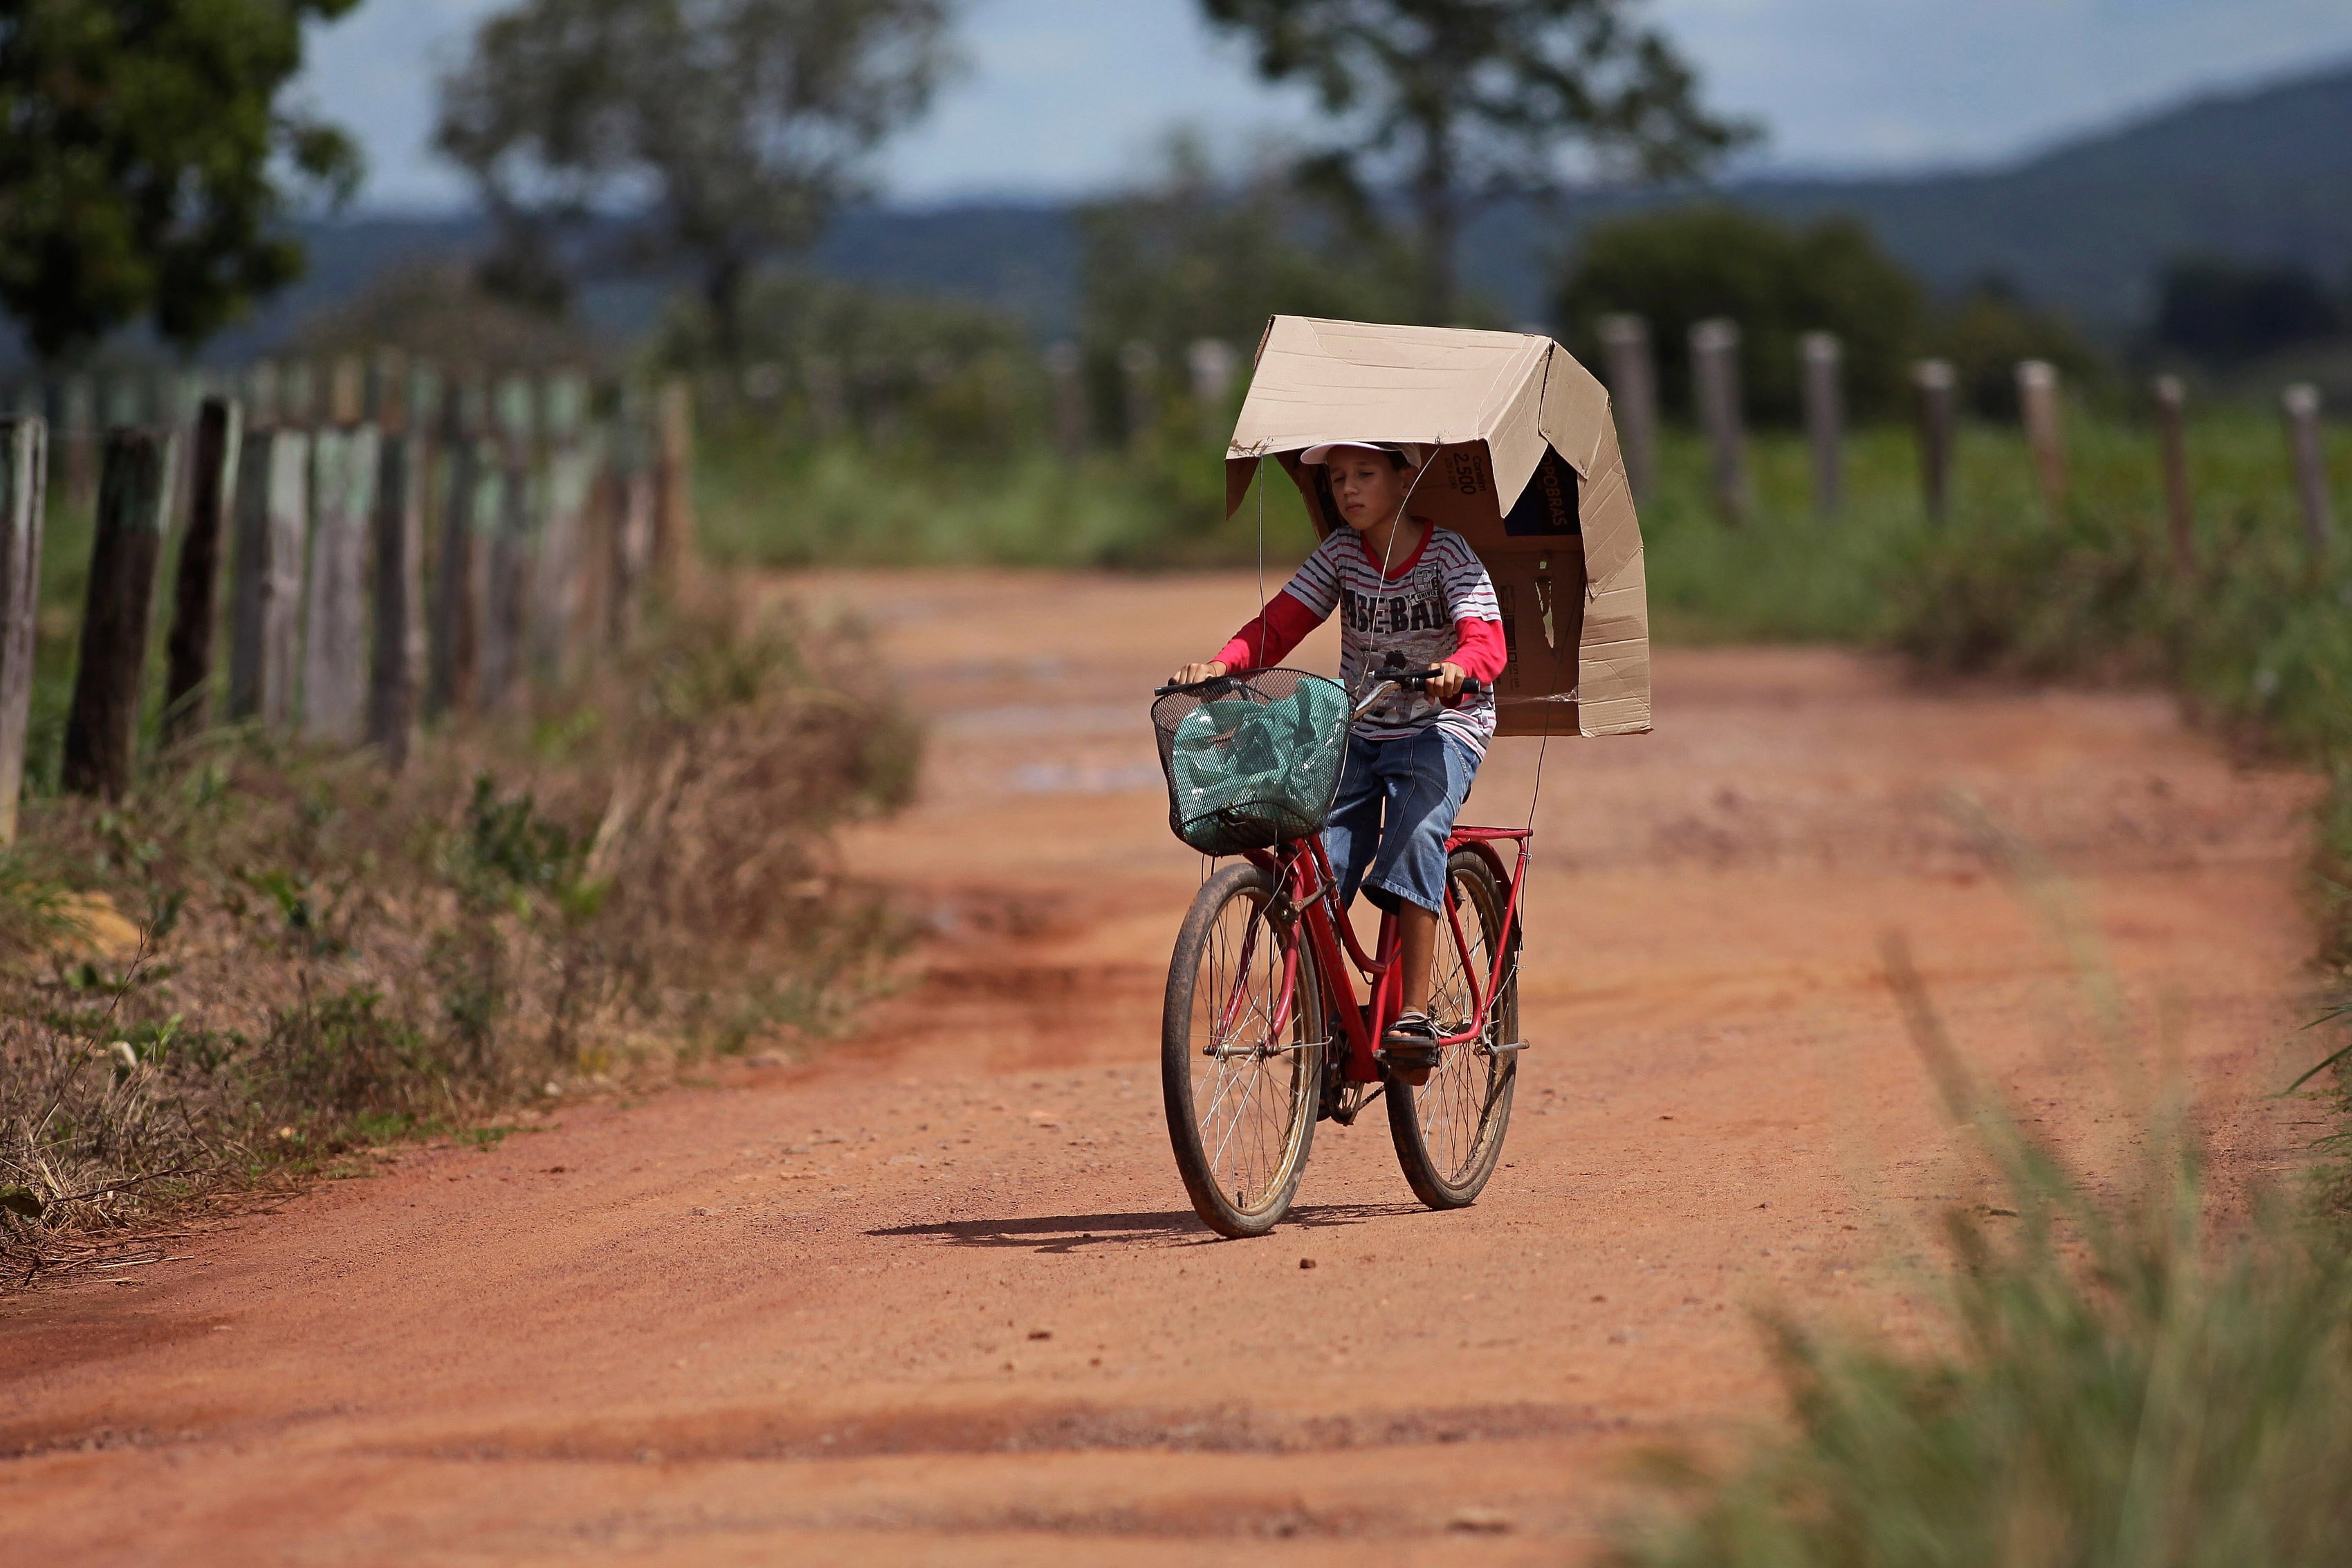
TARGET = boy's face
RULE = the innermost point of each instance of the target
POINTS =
(1367, 485)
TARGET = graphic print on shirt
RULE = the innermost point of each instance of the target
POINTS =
(1413, 614)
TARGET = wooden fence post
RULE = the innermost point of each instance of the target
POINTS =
(2037, 402)
(24, 449)
(637, 479)
(399, 594)
(188, 656)
(134, 503)
(1714, 378)
(2308, 451)
(78, 427)
(334, 640)
(452, 643)
(273, 519)
(505, 611)
(1211, 364)
(508, 582)
(297, 393)
(123, 403)
(1139, 380)
(1065, 368)
(556, 587)
(347, 388)
(1633, 394)
(560, 570)
(2172, 450)
(1936, 385)
(1821, 359)
(261, 394)
(674, 546)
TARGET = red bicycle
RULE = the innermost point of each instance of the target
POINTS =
(1262, 1035)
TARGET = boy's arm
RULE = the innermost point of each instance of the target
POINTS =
(1304, 603)
(1268, 640)
(1479, 650)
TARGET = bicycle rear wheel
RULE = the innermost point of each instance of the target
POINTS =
(1241, 1082)
(1449, 1132)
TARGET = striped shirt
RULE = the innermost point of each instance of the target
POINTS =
(1411, 612)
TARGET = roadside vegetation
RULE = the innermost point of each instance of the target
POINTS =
(267, 961)
(2113, 1384)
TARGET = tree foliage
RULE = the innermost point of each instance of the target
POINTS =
(1990, 328)
(2224, 313)
(1679, 266)
(1199, 253)
(1457, 102)
(735, 127)
(144, 163)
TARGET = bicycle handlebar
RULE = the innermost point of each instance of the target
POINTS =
(1409, 680)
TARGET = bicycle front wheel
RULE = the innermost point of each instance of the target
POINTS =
(1449, 1132)
(1241, 1053)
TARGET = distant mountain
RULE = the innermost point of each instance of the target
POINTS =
(2263, 173)
(2259, 174)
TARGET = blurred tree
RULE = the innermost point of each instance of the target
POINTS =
(438, 311)
(145, 161)
(2224, 313)
(956, 378)
(1200, 253)
(1461, 100)
(1683, 266)
(735, 127)
(1990, 330)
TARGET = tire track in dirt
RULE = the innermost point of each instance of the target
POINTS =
(936, 1295)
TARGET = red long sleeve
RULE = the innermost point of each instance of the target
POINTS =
(1479, 648)
(1268, 640)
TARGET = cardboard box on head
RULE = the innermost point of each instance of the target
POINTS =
(1525, 468)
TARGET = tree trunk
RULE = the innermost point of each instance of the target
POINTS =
(1440, 211)
(723, 290)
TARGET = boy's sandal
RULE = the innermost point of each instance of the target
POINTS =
(1410, 1049)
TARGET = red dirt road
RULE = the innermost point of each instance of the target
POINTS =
(936, 1297)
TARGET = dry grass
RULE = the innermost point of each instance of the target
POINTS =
(314, 958)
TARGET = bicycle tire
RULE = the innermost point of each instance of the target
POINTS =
(1449, 1132)
(1241, 1158)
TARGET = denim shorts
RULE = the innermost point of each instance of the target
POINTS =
(1419, 784)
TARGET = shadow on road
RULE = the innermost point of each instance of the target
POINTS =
(1170, 1228)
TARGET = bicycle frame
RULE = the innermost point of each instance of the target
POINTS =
(1304, 884)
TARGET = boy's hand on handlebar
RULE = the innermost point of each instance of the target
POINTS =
(1446, 684)
(1193, 675)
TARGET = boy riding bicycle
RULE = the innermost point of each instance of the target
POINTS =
(1415, 594)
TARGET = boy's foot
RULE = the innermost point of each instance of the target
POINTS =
(1410, 1048)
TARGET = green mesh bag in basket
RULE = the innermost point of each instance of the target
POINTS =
(1253, 759)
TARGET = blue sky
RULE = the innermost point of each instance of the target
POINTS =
(1070, 96)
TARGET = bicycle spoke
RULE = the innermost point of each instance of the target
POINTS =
(1451, 1107)
(1246, 1115)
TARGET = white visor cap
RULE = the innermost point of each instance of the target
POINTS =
(1413, 452)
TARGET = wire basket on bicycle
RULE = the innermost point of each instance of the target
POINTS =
(1251, 760)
